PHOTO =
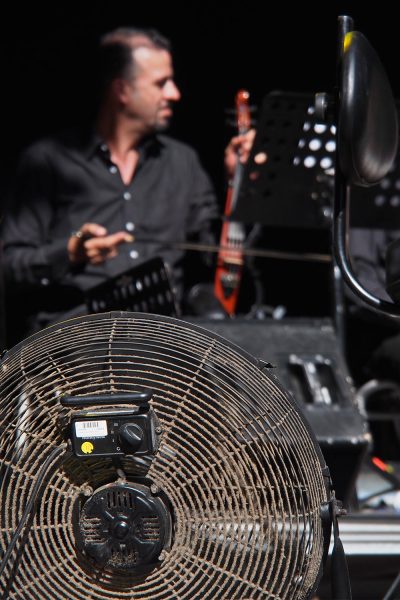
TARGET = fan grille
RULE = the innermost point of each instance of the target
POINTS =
(237, 462)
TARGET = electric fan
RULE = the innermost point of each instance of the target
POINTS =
(145, 457)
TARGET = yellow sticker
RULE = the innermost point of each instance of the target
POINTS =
(87, 447)
(348, 38)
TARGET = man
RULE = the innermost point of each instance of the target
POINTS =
(83, 202)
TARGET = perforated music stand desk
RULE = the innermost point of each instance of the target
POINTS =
(144, 288)
(289, 197)
(294, 187)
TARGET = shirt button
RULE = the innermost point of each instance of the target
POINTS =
(113, 169)
(130, 226)
(44, 281)
(127, 195)
(104, 147)
(134, 254)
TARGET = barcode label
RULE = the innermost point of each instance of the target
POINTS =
(88, 429)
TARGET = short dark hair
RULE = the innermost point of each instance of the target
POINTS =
(115, 52)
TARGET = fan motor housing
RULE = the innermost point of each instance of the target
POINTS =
(124, 527)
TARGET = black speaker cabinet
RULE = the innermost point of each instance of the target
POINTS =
(309, 363)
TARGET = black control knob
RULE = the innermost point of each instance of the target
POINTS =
(131, 435)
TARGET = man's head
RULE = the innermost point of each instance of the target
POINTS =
(136, 70)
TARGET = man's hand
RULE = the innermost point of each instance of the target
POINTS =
(92, 244)
(238, 149)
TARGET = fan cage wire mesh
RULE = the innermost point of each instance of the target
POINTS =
(240, 466)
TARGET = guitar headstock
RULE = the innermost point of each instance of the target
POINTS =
(243, 118)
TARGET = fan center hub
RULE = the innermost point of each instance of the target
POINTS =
(121, 529)
(124, 527)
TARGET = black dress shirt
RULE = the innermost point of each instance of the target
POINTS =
(70, 180)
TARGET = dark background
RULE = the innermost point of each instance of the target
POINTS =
(218, 49)
(47, 62)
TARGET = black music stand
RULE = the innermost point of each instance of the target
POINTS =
(145, 288)
(289, 197)
(294, 187)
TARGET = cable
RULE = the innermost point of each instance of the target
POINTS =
(386, 472)
(394, 590)
(364, 501)
(59, 450)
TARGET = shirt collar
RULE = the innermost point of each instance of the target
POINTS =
(150, 146)
(92, 144)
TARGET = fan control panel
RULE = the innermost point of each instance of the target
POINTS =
(113, 431)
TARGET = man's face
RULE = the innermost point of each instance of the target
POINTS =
(151, 93)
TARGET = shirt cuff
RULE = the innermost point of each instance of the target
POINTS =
(56, 255)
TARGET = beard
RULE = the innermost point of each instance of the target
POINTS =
(161, 126)
(163, 122)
